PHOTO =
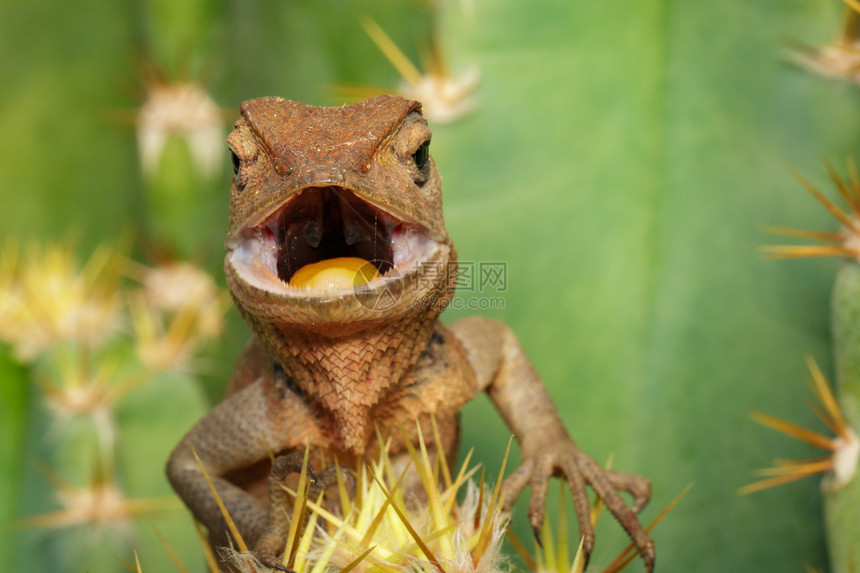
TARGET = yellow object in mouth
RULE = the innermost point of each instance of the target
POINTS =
(337, 273)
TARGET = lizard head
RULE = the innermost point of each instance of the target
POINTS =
(313, 184)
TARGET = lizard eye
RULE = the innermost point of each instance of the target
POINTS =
(422, 155)
(236, 162)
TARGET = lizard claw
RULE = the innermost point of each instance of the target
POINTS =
(606, 484)
(581, 471)
(637, 486)
(267, 556)
(272, 563)
(287, 464)
(273, 539)
(538, 539)
(328, 478)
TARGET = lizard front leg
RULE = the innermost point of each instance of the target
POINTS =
(504, 371)
(260, 419)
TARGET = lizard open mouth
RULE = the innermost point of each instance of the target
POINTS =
(326, 223)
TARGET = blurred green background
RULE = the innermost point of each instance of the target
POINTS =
(621, 160)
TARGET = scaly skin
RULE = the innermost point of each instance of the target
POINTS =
(326, 369)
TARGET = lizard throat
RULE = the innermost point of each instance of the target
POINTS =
(351, 378)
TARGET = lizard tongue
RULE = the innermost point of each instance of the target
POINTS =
(337, 273)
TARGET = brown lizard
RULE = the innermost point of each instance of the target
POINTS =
(329, 367)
